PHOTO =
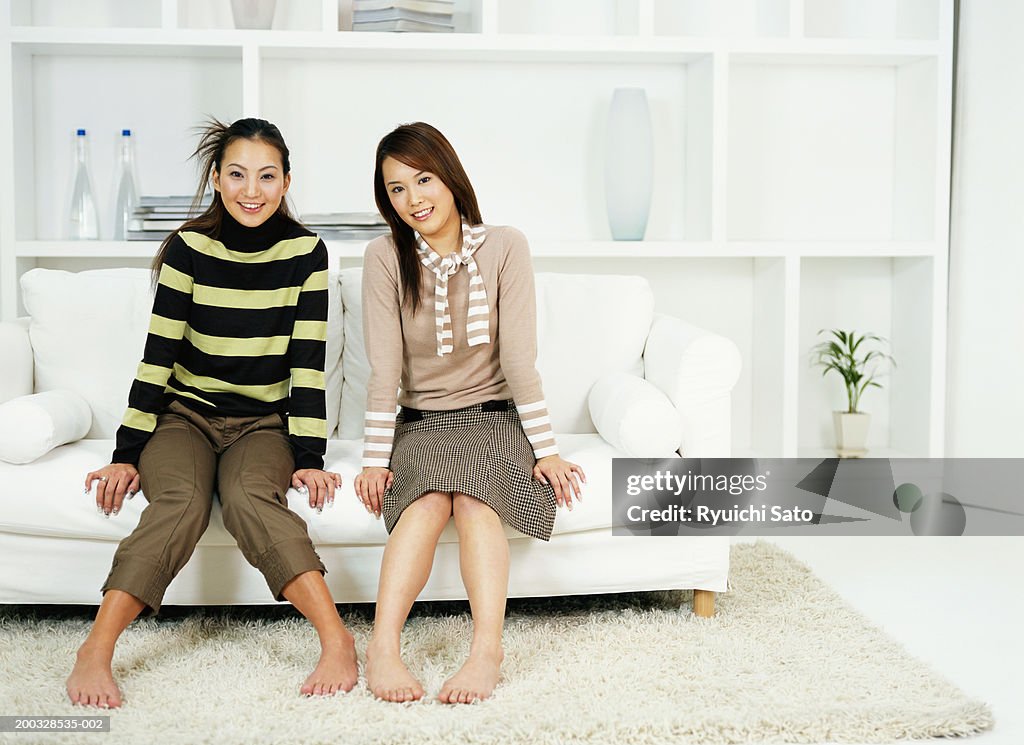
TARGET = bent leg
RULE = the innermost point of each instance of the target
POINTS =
(484, 562)
(408, 558)
(177, 470)
(253, 479)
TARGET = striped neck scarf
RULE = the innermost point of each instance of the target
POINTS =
(478, 312)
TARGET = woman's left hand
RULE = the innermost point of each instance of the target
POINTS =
(318, 485)
(563, 476)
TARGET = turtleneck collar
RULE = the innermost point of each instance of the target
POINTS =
(238, 237)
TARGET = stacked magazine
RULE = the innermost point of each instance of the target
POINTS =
(157, 216)
(403, 15)
(346, 226)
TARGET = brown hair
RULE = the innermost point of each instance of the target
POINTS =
(214, 138)
(420, 146)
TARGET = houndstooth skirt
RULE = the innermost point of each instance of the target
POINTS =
(481, 451)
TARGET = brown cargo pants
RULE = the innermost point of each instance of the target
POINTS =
(249, 460)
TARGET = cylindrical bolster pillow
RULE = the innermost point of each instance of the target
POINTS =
(33, 425)
(634, 416)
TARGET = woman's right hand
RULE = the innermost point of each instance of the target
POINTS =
(115, 482)
(370, 486)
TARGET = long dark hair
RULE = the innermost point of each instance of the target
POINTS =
(423, 147)
(214, 138)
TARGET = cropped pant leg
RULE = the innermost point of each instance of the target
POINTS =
(177, 470)
(253, 477)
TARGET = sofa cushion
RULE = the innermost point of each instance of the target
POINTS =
(52, 485)
(353, 361)
(587, 326)
(88, 330)
(33, 425)
(635, 417)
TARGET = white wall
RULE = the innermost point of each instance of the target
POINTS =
(986, 317)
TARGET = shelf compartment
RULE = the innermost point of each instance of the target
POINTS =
(839, 153)
(888, 297)
(293, 15)
(879, 19)
(86, 13)
(562, 17)
(725, 18)
(538, 164)
(59, 93)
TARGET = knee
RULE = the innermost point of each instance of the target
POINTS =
(466, 507)
(436, 504)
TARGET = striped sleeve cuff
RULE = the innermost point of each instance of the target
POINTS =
(537, 426)
(379, 434)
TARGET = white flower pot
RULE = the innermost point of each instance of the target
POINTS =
(258, 14)
(851, 433)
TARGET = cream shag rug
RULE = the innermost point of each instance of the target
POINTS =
(784, 660)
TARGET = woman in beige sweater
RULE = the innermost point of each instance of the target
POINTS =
(450, 318)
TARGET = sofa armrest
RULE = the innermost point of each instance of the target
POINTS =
(697, 370)
(16, 367)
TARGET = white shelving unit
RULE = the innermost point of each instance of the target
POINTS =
(801, 176)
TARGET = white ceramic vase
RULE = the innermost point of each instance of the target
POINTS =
(629, 164)
(851, 433)
(253, 14)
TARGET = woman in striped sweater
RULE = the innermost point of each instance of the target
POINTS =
(229, 396)
(472, 439)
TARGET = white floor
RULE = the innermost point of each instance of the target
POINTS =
(953, 602)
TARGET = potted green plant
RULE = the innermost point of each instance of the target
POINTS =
(859, 360)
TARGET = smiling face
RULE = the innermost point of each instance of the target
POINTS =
(251, 181)
(424, 203)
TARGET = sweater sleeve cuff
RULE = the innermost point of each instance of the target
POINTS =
(308, 460)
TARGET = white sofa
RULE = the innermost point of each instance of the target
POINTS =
(85, 332)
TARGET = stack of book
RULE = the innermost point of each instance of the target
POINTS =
(155, 217)
(346, 226)
(403, 15)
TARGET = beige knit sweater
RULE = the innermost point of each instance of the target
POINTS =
(402, 347)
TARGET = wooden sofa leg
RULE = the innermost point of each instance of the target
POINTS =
(704, 603)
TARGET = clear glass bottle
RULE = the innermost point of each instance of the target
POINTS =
(127, 195)
(83, 219)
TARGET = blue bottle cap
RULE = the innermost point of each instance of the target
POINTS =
(81, 132)
(126, 133)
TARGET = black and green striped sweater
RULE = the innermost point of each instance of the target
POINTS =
(239, 328)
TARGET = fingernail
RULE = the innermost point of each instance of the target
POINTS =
(115, 511)
(319, 510)
(85, 490)
(131, 494)
(106, 514)
(99, 510)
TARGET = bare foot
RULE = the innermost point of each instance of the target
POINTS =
(475, 680)
(336, 671)
(91, 682)
(388, 678)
